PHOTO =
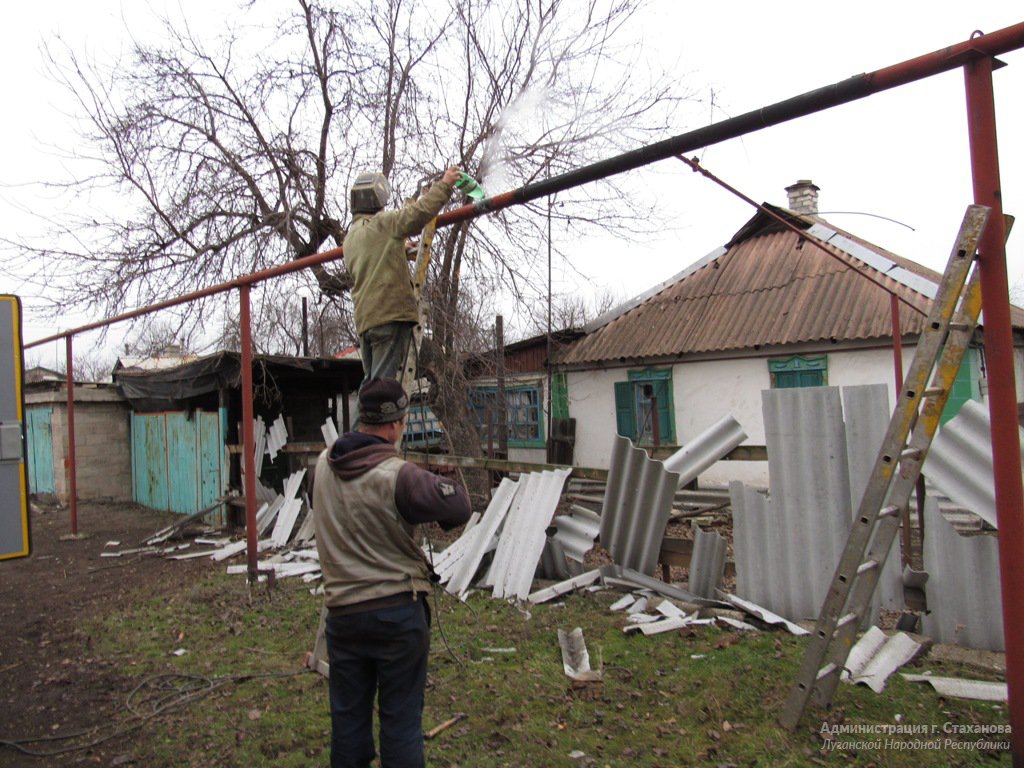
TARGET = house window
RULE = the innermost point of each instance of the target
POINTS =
(643, 401)
(799, 371)
(422, 428)
(523, 412)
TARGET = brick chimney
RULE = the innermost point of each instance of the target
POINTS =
(803, 197)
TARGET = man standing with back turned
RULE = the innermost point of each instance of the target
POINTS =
(385, 302)
(367, 502)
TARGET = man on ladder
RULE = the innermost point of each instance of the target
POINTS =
(386, 305)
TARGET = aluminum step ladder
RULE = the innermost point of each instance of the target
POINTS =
(940, 350)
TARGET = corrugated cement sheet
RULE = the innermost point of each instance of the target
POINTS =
(457, 564)
(959, 462)
(787, 546)
(523, 533)
(771, 288)
(705, 449)
(637, 505)
(965, 604)
(707, 566)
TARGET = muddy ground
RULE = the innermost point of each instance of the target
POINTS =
(50, 684)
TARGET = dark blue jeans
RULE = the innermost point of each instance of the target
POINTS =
(383, 653)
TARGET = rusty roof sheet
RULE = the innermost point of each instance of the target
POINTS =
(770, 287)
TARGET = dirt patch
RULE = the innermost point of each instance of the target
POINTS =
(51, 684)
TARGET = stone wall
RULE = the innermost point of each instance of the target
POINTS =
(102, 442)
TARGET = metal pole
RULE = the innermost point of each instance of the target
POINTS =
(305, 331)
(897, 342)
(1002, 394)
(906, 541)
(248, 436)
(501, 405)
(72, 473)
(547, 338)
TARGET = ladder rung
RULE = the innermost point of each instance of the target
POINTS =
(910, 453)
(827, 670)
(851, 616)
(889, 511)
(958, 326)
(934, 391)
(866, 566)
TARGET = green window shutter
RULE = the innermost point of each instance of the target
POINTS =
(965, 386)
(625, 423)
(663, 391)
(798, 371)
(559, 396)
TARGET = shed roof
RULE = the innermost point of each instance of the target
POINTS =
(767, 287)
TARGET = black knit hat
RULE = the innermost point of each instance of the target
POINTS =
(382, 401)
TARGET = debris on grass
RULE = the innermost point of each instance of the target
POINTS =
(876, 656)
(981, 690)
(575, 657)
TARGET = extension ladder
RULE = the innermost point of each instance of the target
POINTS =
(419, 277)
(941, 347)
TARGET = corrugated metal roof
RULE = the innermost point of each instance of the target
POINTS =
(769, 287)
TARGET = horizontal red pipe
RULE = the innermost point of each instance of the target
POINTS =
(252, 278)
(851, 89)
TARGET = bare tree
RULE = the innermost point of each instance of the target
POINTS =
(234, 153)
(569, 311)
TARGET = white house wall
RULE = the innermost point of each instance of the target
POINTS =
(703, 392)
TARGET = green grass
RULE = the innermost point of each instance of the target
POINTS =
(705, 697)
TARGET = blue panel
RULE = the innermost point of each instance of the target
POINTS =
(149, 460)
(211, 458)
(182, 463)
(40, 449)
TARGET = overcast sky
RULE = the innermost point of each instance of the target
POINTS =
(898, 161)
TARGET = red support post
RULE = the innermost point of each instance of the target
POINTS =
(1002, 394)
(248, 437)
(897, 342)
(72, 469)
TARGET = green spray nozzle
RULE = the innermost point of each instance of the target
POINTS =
(470, 187)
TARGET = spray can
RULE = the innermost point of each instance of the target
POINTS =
(470, 188)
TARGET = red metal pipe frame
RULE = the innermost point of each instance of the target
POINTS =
(72, 472)
(248, 436)
(1002, 393)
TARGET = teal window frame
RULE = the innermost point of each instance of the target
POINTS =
(633, 417)
(799, 371)
(524, 411)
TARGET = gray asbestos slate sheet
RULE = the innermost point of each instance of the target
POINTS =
(637, 505)
(787, 546)
(965, 603)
